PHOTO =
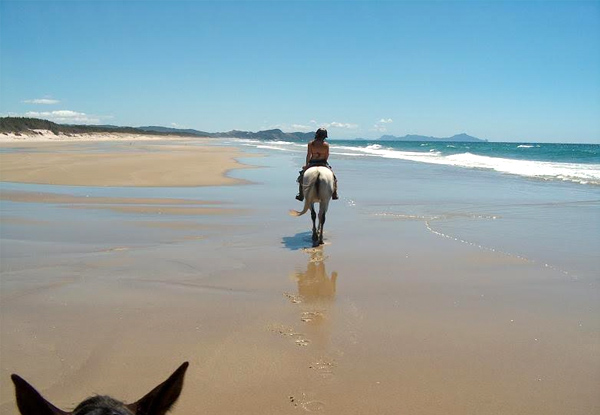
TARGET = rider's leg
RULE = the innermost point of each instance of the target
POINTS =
(334, 196)
(300, 179)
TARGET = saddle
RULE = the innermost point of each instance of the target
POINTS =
(315, 163)
(318, 163)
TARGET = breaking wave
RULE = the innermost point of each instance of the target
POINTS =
(583, 173)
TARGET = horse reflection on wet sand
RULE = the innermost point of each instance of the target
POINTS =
(314, 285)
(317, 292)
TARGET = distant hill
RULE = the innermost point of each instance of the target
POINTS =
(27, 126)
(411, 137)
(273, 135)
(167, 130)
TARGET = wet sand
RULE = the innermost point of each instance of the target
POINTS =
(103, 293)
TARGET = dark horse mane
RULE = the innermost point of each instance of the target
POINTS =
(156, 402)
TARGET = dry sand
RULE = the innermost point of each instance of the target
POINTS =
(133, 163)
(112, 296)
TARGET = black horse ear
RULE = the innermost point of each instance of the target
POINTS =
(160, 399)
(29, 400)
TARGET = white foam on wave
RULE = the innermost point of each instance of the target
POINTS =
(272, 145)
(574, 172)
(378, 150)
(247, 140)
(267, 147)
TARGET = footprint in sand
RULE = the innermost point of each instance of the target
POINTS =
(323, 367)
(312, 316)
(308, 406)
(284, 331)
(316, 254)
(116, 249)
(295, 299)
(302, 342)
(313, 406)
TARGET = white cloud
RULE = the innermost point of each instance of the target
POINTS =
(311, 126)
(272, 127)
(304, 128)
(347, 126)
(289, 128)
(65, 116)
(380, 126)
(42, 101)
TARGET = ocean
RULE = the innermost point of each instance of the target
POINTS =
(578, 163)
(532, 202)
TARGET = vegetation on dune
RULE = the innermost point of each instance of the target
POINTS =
(18, 124)
(26, 125)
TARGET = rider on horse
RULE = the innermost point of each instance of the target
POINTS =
(316, 155)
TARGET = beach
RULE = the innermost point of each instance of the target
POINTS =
(439, 290)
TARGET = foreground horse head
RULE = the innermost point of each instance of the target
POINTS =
(157, 402)
(318, 185)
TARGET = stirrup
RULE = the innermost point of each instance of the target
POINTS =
(300, 197)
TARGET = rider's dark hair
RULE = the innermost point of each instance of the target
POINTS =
(321, 134)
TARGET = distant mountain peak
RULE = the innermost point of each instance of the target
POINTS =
(462, 135)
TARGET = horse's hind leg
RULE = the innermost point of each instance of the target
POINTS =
(321, 225)
(313, 216)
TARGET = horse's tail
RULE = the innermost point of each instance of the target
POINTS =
(307, 190)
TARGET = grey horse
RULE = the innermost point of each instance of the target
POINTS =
(318, 184)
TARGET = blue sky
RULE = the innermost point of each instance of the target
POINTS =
(504, 71)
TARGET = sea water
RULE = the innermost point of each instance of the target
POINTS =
(537, 202)
(578, 163)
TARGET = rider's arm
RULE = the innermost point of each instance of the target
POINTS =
(308, 154)
(326, 148)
